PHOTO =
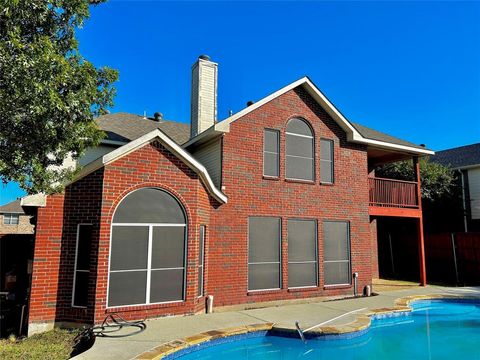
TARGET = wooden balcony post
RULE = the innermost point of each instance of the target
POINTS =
(421, 246)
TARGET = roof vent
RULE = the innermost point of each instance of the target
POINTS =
(249, 103)
(204, 57)
(422, 145)
(158, 116)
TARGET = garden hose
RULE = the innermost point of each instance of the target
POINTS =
(113, 323)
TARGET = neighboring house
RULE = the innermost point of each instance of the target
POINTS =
(276, 202)
(16, 258)
(14, 220)
(466, 160)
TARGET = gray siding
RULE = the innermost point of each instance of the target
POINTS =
(93, 153)
(474, 190)
(210, 156)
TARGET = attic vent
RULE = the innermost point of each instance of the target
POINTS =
(158, 116)
(250, 103)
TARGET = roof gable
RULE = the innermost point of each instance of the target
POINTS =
(355, 132)
(168, 143)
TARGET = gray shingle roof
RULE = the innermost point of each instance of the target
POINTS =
(127, 127)
(372, 134)
(458, 157)
(12, 207)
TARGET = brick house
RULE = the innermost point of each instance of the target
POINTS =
(14, 219)
(277, 202)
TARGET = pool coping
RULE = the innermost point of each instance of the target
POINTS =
(360, 325)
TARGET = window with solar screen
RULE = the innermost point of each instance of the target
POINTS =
(82, 265)
(302, 253)
(326, 161)
(299, 151)
(264, 254)
(147, 249)
(336, 253)
(271, 149)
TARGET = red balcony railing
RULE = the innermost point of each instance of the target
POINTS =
(393, 193)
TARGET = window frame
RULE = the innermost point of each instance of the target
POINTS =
(317, 265)
(312, 137)
(280, 262)
(332, 161)
(349, 241)
(277, 132)
(149, 254)
(202, 241)
(10, 217)
(75, 270)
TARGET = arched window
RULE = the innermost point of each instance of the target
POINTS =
(147, 249)
(299, 153)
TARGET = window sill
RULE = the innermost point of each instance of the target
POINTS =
(327, 184)
(263, 292)
(308, 182)
(303, 289)
(127, 308)
(334, 287)
(274, 178)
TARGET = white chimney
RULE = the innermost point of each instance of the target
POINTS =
(204, 95)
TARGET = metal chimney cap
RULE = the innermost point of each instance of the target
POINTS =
(204, 57)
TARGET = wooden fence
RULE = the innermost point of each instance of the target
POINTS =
(453, 258)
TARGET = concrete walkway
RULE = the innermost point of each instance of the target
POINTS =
(166, 329)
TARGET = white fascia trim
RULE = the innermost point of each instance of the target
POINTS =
(212, 131)
(352, 133)
(171, 146)
(467, 167)
(35, 200)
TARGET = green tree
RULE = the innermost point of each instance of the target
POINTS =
(49, 93)
(437, 180)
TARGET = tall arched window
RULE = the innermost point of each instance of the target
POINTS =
(147, 249)
(299, 153)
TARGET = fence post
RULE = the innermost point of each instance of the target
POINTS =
(391, 253)
(455, 257)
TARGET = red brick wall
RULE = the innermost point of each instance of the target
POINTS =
(94, 199)
(46, 261)
(55, 244)
(251, 195)
(152, 166)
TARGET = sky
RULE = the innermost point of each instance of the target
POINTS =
(411, 69)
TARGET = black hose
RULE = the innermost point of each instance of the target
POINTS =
(112, 324)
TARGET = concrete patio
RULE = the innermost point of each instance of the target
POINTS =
(166, 329)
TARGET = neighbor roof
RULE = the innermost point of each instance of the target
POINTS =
(459, 157)
(13, 207)
(124, 127)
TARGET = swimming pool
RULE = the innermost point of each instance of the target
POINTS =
(435, 329)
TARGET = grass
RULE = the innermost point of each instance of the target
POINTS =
(51, 345)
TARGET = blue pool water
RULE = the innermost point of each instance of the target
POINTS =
(434, 330)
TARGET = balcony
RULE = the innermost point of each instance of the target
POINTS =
(389, 197)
